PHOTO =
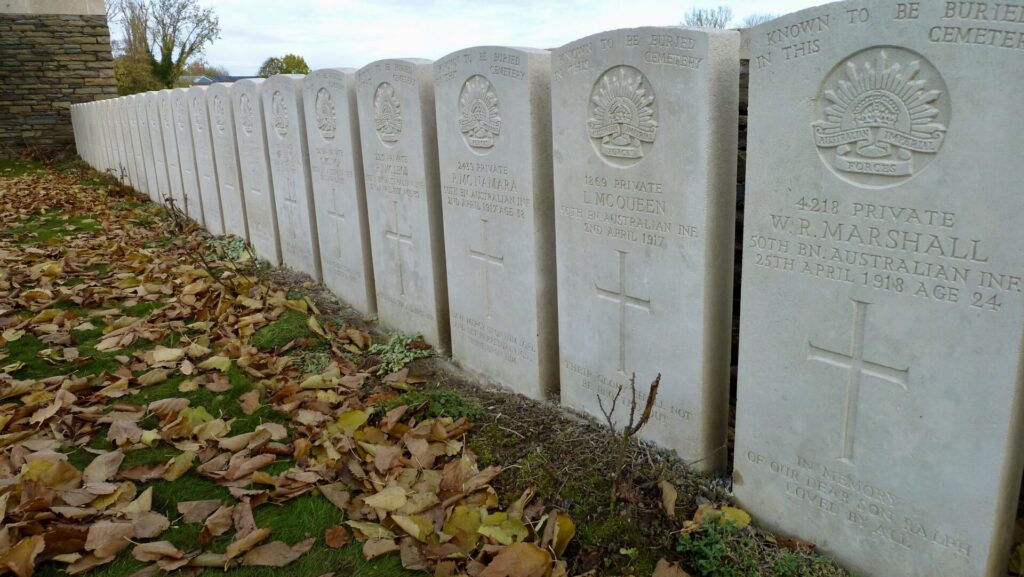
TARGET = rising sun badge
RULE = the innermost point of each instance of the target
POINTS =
(883, 116)
(326, 120)
(387, 113)
(623, 115)
(479, 120)
(280, 114)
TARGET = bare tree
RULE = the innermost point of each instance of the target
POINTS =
(708, 17)
(167, 33)
(755, 19)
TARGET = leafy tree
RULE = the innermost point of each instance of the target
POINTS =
(708, 17)
(134, 75)
(287, 64)
(755, 19)
(169, 34)
(200, 67)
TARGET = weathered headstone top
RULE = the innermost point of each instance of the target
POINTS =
(225, 149)
(494, 143)
(399, 142)
(336, 168)
(258, 188)
(880, 369)
(644, 138)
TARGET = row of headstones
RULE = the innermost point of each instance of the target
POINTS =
(568, 217)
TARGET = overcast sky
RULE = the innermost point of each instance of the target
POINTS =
(355, 32)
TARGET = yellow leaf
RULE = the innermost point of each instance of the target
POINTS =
(565, 530)
(164, 355)
(314, 325)
(501, 528)
(371, 530)
(11, 335)
(153, 377)
(417, 526)
(218, 362)
(390, 499)
(350, 421)
(738, 517)
(179, 466)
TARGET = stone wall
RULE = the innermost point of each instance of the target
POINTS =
(55, 54)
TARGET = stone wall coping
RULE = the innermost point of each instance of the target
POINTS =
(69, 7)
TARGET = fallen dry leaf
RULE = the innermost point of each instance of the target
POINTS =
(519, 560)
(336, 537)
(277, 553)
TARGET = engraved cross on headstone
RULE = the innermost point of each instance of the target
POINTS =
(338, 216)
(857, 366)
(395, 234)
(624, 300)
(484, 256)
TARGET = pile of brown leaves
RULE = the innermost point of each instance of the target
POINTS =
(405, 482)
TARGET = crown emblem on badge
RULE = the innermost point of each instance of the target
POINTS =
(479, 120)
(882, 116)
(623, 117)
(326, 121)
(279, 109)
(387, 113)
(247, 112)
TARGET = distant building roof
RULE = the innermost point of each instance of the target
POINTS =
(205, 80)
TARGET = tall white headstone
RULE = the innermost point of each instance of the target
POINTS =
(142, 116)
(254, 161)
(225, 148)
(285, 125)
(880, 369)
(206, 169)
(336, 168)
(168, 132)
(494, 142)
(403, 196)
(193, 206)
(131, 124)
(163, 185)
(644, 146)
(125, 155)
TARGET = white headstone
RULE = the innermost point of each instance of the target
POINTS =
(138, 162)
(644, 138)
(105, 127)
(254, 161)
(163, 184)
(225, 148)
(193, 206)
(125, 169)
(403, 196)
(880, 368)
(169, 134)
(494, 143)
(285, 126)
(206, 169)
(142, 115)
(336, 168)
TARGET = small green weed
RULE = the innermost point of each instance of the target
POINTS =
(396, 353)
(440, 403)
